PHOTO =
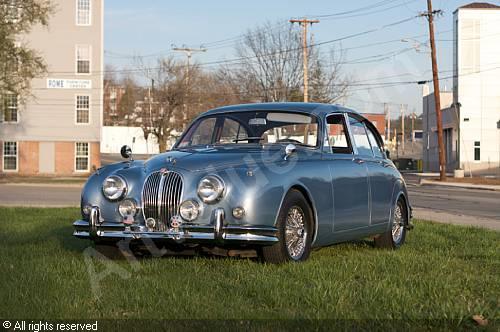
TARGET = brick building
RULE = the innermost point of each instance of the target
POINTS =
(113, 95)
(58, 130)
(378, 121)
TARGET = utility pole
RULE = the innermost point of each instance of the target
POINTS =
(413, 116)
(189, 52)
(304, 22)
(387, 111)
(437, 97)
(403, 128)
(150, 100)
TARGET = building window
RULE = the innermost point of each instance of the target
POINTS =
(477, 150)
(83, 59)
(82, 109)
(83, 12)
(9, 108)
(82, 157)
(10, 156)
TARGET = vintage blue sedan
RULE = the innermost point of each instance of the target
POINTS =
(272, 179)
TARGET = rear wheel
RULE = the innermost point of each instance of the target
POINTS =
(294, 231)
(395, 237)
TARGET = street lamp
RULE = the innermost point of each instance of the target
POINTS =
(417, 45)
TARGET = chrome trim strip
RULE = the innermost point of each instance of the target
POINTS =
(161, 189)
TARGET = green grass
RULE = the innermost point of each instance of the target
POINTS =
(443, 272)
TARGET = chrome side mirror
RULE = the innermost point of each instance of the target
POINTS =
(126, 152)
(289, 150)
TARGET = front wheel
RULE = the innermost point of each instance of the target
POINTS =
(295, 222)
(395, 237)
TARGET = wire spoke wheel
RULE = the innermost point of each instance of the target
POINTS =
(398, 224)
(295, 232)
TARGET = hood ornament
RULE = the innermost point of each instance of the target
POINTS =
(171, 160)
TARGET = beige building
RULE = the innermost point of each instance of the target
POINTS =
(58, 130)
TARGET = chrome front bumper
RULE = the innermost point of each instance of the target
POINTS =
(216, 233)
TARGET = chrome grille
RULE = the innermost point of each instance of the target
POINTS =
(161, 196)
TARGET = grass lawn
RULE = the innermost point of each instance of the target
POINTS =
(443, 272)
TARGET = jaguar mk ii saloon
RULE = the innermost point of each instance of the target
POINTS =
(278, 179)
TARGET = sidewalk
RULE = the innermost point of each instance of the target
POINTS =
(450, 183)
(76, 181)
(455, 219)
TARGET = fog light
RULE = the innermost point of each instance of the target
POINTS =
(127, 208)
(150, 223)
(189, 210)
(238, 212)
(86, 210)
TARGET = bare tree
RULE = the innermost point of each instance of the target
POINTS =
(126, 104)
(163, 111)
(270, 68)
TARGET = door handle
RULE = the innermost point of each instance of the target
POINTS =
(358, 161)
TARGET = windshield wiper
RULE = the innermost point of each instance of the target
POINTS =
(247, 139)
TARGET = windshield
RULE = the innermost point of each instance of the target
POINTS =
(262, 127)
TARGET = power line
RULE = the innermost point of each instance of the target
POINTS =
(279, 52)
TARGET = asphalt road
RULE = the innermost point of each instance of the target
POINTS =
(40, 195)
(459, 201)
(451, 205)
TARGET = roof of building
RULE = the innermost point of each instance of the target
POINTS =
(480, 5)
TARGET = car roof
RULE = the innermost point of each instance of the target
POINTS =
(310, 108)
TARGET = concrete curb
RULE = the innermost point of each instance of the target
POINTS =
(424, 182)
(49, 185)
(455, 219)
(24, 205)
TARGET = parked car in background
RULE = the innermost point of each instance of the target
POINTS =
(277, 179)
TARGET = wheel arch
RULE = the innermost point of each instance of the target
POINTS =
(307, 195)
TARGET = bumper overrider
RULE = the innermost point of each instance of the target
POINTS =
(217, 232)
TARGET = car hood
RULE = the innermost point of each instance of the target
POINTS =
(213, 158)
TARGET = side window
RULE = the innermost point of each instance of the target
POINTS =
(338, 139)
(377, 149)
(200, 134)
(360, 138)
(231, 132)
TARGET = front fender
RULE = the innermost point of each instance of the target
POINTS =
(132, 172)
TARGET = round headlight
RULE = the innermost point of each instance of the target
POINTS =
(127, 208)
(189, 210)
(114, 187)
(210, 188)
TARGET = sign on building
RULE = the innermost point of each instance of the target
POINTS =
(57, 83)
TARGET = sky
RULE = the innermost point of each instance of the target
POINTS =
(150, 28)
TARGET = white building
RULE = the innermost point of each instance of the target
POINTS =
(113, 138)
(476, 88)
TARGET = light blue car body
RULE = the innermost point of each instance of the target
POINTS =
(351, 196)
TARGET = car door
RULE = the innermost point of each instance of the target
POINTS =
(349, 176)
(381, 179)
